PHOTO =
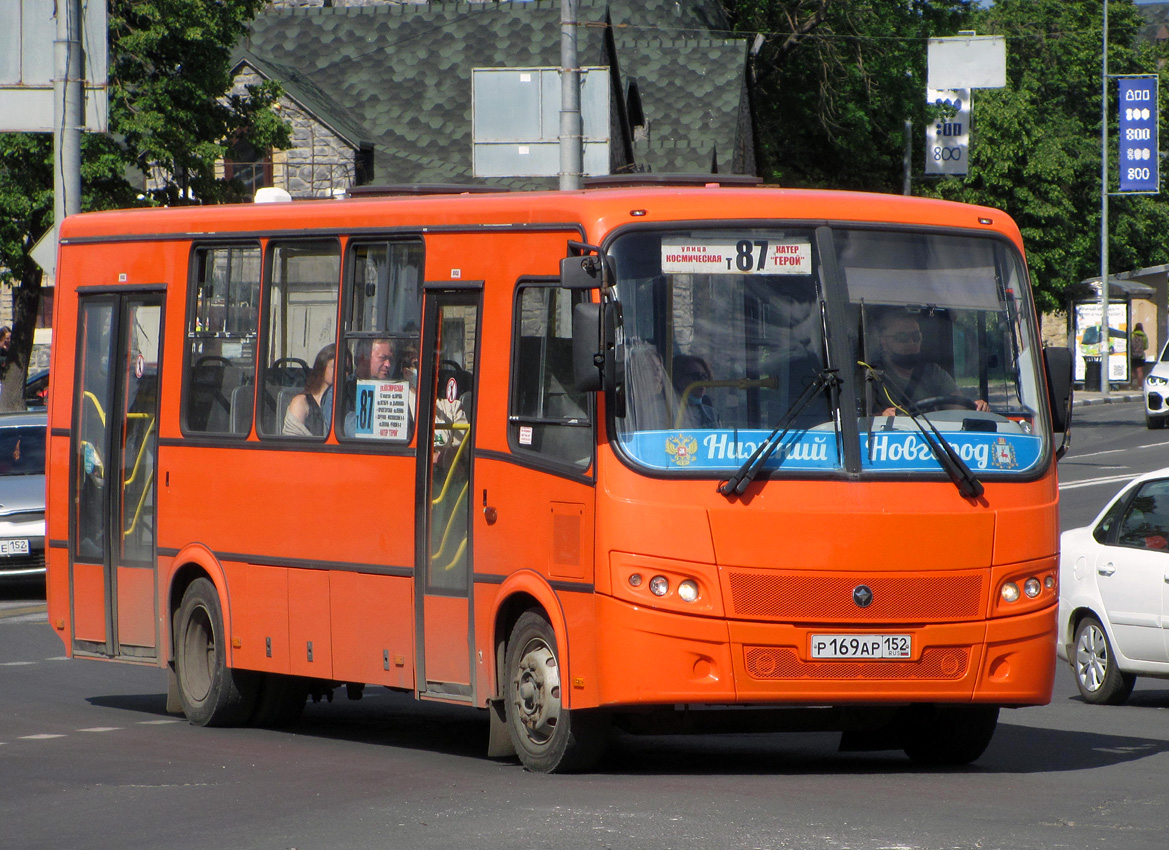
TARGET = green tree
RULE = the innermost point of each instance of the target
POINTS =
(1036, 149)
(170, 118)
(835, 81)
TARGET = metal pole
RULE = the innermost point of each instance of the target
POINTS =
(1105, 336)
(571, 156)
(907, 159)
(69, 73)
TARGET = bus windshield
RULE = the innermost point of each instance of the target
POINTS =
(723, 331)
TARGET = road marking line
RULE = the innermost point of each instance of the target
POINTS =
(157, 722)
(16, 663)
(44, 737)
(1092, 482)
(101, 729)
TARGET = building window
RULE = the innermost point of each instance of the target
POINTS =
(251, 167)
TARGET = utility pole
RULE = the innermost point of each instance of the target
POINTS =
(571, 136)
(1105, 336)
(68, 79)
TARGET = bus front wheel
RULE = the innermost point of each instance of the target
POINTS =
(547, 736)
(211, 693)
(948, 734)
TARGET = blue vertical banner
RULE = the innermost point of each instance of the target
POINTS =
(1139, 160)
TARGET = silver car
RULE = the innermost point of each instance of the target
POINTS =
(22, 494)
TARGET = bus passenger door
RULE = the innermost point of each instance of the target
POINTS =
(115, 433)
(442, 575)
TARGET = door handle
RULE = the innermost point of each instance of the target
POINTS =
(1106, 570)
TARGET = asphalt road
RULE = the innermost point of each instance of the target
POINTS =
(90, 759)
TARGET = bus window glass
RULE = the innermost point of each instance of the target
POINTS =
(548, 416)
(380, 346)
(221, 340)
(722, 333)
(302, 330)
(940, 331)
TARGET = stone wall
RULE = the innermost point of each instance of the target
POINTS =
(319, 161)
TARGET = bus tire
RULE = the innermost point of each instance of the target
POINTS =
(280, 700)
(1094, 665)
(548, 738)
(948, 734)
(211, 694)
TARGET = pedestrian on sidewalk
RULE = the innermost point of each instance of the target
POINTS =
(1137, 347)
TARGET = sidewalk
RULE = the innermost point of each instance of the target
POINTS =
(1084, 398)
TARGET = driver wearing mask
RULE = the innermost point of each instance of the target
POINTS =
(907, 374)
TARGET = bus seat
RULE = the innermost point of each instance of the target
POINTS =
(242, 402)
(283, 399)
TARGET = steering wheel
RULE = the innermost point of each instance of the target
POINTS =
(941, 402)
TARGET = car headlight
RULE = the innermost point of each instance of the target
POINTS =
(1156, 381)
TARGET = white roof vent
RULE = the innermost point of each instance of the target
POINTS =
(272, 195)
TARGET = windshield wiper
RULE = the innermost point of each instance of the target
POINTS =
(737, 483)
(948, 458)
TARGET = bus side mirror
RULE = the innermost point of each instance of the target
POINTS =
(583, 272)
(594, 359)
(1057, 362)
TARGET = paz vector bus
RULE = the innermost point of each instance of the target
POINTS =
(648, 457)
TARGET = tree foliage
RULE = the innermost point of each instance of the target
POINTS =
(1036, 150)
(169, 118)
(836, 79)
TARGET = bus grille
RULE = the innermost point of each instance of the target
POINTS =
(775, 662)
(828, 598)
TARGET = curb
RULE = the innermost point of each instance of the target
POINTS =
(1111, 398)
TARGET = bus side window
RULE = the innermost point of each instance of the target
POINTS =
(304, 285)
(380, 333)
(548, 416)
(221, 340)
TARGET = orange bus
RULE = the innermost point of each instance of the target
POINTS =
(655, 458)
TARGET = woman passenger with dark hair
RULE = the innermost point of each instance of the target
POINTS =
(306, 416)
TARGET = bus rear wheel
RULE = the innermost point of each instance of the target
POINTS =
(548, 737)
(211, 694)
(948, 734)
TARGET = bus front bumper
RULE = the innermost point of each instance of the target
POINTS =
(647, 657)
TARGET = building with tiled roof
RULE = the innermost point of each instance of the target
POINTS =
(383, 94)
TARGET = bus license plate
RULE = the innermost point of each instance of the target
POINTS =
(862, 646)
(13, 547)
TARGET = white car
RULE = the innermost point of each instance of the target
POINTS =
(1157, 391)
(1114, 592)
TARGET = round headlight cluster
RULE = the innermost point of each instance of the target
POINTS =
(1031, 588)
(687, 589)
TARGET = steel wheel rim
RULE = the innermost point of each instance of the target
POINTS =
(199, 655)
(537, 691)
(1091, 658)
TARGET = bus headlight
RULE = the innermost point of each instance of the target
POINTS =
(1032, 587)
(688, 591)
(659, 585)
(1010, 592)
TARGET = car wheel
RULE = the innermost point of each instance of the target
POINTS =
(1099, 679)
(1154, 423)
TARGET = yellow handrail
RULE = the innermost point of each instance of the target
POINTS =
(141, 502)
(141, 448)
(100, 413)
(450, 524)
(456, 426)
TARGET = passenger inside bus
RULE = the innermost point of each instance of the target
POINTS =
(691, 377)
(374, 359)
(310, 413)
(908, 375)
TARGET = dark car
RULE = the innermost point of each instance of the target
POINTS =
(22, 494)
